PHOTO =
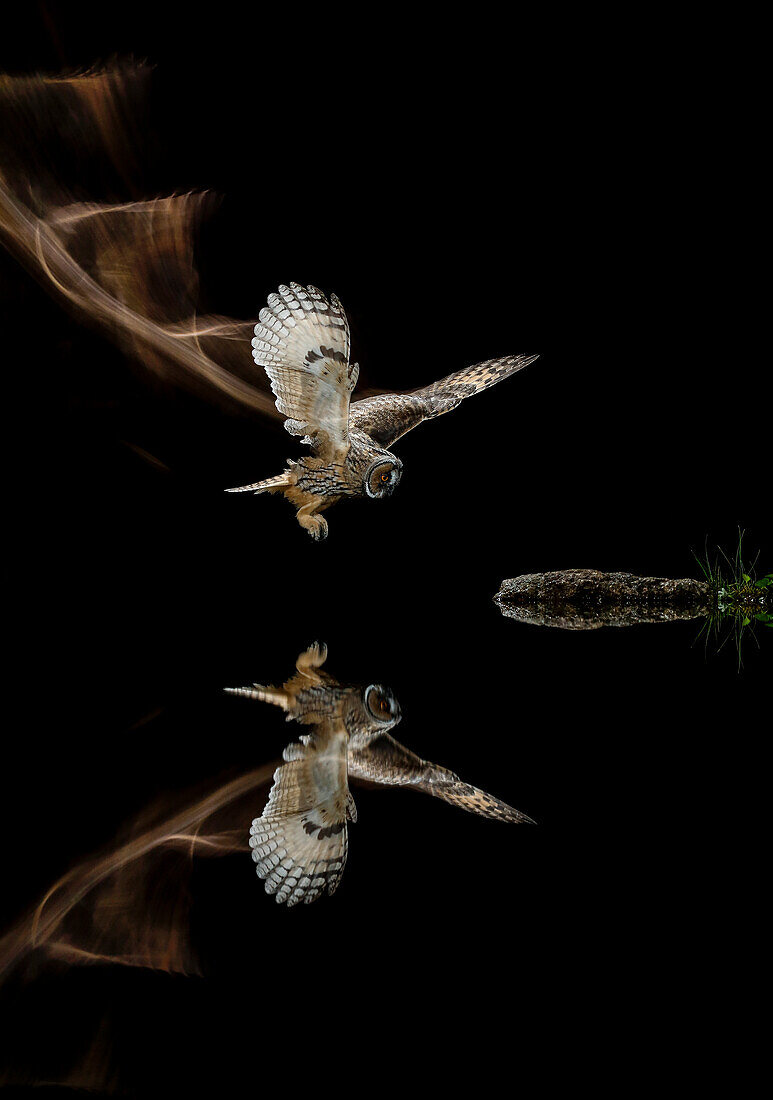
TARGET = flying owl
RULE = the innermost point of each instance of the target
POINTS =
(302, 342)
(300, 841)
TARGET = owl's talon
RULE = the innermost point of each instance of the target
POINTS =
(319, 529)
(312, 658)
(317, 654)
(315, 525)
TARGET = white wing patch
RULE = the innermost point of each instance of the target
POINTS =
(300, 841)
(302, 342)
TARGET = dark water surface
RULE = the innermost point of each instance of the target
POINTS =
(137, 591)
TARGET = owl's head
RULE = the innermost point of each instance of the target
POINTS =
(383, 476)
(382, 706)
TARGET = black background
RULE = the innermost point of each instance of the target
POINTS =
(460, 211)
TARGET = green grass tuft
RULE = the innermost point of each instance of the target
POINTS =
(740, 599)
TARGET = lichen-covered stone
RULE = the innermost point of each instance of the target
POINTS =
(585, 599)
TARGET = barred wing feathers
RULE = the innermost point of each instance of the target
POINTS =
(387, 416)
(302, 342)
(384, 760)
(300, 841)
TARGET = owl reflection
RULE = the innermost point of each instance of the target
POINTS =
(300, 841)
(302, 342)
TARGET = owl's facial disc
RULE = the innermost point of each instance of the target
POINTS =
(382, 705)
(383, 477)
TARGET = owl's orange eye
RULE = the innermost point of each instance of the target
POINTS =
(385, 477)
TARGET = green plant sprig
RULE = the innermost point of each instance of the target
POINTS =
(740, 599)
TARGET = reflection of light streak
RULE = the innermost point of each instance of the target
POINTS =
(115, 884)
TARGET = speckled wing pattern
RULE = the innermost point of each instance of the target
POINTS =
(302, 342)
(300, 841)
(383, 760)
(388, 416)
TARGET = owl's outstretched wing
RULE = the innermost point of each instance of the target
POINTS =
(383, 760)
(300, 841)
(302, 342)
(387, 416)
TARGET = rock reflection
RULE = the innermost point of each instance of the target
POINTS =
(300, 841)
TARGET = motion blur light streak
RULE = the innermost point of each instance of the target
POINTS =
(177, 350)
(127, 267)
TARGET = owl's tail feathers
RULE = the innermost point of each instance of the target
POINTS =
(265, 694)
(270, 485)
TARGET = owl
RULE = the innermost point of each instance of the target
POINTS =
(300, 841)
(302, 342)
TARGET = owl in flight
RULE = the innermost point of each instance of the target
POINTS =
(302, 341)
(300, 841)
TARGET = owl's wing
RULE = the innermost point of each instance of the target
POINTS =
(300, 841)
(302, 342)
(387, 416)
(383, 760)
